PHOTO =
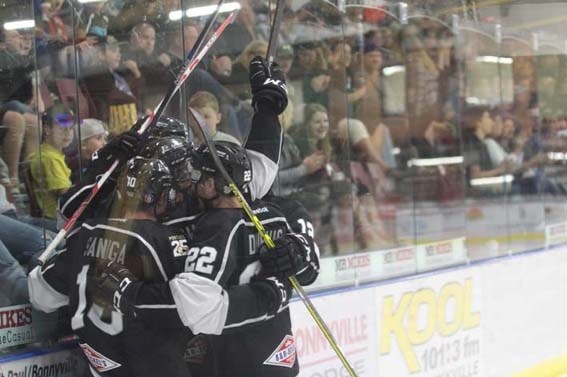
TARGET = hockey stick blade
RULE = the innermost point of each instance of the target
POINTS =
(270, 244)
(149, 120)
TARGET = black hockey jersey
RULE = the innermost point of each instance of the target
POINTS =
(224, 249)
(154, 253)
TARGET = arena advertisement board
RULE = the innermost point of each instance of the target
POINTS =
(439, 254)
(431, 327)
(555, 234)
(61, 363)
(16, 326)
(353, 324)
(383, 264)
(504, 317)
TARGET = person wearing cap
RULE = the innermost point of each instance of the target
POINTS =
(92, 137)
(285, 55)
(50, 175)
(309, 58)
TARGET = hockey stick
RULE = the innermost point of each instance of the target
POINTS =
(190, 67)
(273, 41)
(270, 244)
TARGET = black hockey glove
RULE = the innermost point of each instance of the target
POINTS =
(114, 287)
(122, 147)
(276, 291)
(268, 85)
(287, 258)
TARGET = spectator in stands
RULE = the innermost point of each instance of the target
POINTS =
(310, 59)
(93, 137)
(238, 82)
(240, 34)
(179, 44)
(208, 107)
(24, 240)
(316, 87)
(313, 142)
(476, 157)
(13, 280)
(152, 63)
(18, 102)
(132, 14)
(341, 95)
(113, 89)
(292, 166)
(50, 174)
(285, 56)
(509, 133)
(438, 140)
(368, 107)
(352, 137)
(52, 24)
(220, 66)
(96, 21)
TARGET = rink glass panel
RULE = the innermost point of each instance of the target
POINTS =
(380, 97)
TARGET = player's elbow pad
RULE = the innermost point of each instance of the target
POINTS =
(201, 303)
(43, 296)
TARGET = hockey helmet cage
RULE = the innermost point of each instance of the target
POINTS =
(174, 151)
(145, 180)
(166, 127)
(234, 159)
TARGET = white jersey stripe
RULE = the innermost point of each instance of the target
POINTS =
(72, 198)
(181, 219)
(156, 306)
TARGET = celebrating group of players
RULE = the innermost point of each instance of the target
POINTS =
(166, 275)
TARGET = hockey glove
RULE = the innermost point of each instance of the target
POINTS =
(268, 85)
(287, 258)
(114, 287)
(276, 291)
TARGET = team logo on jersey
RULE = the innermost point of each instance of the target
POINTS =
(100, 362)
(196, 350)
(284, 355)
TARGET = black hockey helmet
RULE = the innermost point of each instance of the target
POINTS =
(235, 161)
(174, 151)
(166, 127)
(144, 181)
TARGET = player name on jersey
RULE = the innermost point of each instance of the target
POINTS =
(104, 248)
(255, 240)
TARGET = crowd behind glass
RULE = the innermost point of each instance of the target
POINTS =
(403, 109)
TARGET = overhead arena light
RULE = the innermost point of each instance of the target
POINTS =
(494, 59)
(437, 161)
(18, 25)
(392, 70)
(210, 9)
(557, 156)
(508, 178)
(203, 11)
(175, 15)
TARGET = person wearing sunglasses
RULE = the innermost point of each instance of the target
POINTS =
(50, 175)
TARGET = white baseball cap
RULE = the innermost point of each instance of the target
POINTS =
(92, 127)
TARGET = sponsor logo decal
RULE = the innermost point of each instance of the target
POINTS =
(196, 350)
(284, 355)
(100, 362)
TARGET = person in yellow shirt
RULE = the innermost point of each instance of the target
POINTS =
(49, 172)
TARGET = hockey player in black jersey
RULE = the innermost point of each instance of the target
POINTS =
(302, 258)
(224, 249)
(154, 253)
(150, 250)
